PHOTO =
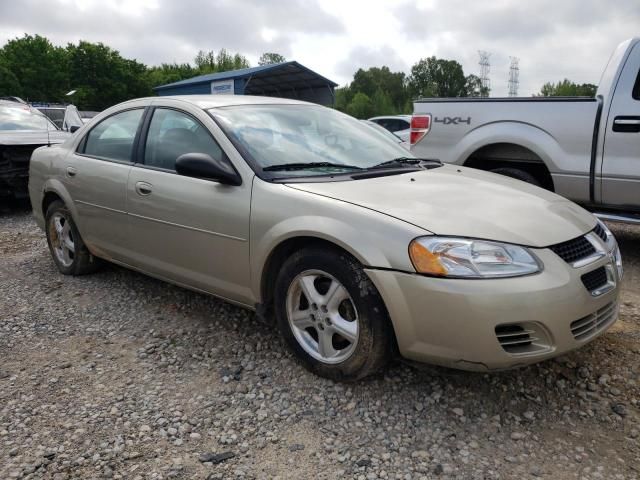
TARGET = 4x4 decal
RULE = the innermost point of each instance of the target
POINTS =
(452, 120)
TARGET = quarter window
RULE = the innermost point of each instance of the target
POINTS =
(173, 133)
(636, 88)
(113, 137)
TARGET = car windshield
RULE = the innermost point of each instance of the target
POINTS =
(279, 135)
(13, 117)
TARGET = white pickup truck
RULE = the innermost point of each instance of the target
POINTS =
(586, 149)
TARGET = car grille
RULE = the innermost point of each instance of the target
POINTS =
(595, 323)
(574, 250)
(521, 338)
(600, 232)
(595, 279)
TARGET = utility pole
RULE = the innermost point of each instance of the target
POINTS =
(514, 76)
(484, 73)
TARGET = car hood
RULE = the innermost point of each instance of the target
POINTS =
(459, 201)
(32, 137)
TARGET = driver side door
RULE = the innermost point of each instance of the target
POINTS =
(187, 230)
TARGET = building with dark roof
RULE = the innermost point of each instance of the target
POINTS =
(287, 80)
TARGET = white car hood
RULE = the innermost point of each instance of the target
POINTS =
(459, 201)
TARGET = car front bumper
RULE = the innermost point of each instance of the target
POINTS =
(483, 324)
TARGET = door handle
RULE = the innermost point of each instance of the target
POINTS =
(626, 124)
(144, 188)
(71, 172)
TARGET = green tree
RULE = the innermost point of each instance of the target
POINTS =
(102, 77)
(361, 106)
(269, 58)
(435, 77)
(169, 73)
(474, 88)
(566, 88)
(40, 68)
(382, 104)
(391, 84)
(343, 97)
(9, 83)
(223, 61)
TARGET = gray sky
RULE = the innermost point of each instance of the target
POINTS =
(554, 39)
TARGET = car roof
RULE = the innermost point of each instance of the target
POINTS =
(19, 106)
(213, 101)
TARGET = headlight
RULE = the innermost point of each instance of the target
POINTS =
(460, 257)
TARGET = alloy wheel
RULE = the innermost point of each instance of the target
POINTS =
(62, 239)
(322, 316)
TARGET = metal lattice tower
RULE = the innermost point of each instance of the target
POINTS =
(514, 75)
(484, 73)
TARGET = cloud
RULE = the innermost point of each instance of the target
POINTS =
(553, 39)
(366, 57)
(167, 30)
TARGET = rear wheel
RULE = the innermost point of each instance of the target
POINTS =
(69, 252)
(518, 175)
(331, 315)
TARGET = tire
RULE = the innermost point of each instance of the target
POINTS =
(355, 308)
(518, 175)
(68, 251)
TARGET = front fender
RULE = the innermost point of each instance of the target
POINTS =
(280, 213)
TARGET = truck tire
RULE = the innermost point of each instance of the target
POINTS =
(331, 315)
(518, 175)
(70, 254)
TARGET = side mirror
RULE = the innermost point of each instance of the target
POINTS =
(201, 165)
(74, 128)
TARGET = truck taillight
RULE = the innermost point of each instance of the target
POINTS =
(419, 127)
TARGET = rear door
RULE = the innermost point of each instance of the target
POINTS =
(621, 162)
(192, 231)
(96, 174)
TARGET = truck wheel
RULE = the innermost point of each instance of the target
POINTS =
(69, 252)
(518, 175)
(331, 315)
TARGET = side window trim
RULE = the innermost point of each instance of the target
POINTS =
(82, 144)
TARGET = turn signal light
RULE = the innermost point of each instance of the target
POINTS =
(424, 261)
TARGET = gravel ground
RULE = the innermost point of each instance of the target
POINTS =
(116, 375)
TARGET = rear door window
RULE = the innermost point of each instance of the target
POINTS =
(113, 138)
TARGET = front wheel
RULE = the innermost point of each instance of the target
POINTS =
(331, 315)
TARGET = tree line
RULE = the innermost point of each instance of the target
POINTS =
(379, 91)
(33, 68)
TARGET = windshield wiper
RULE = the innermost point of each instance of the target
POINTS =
(305, 166)
(401, 161)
